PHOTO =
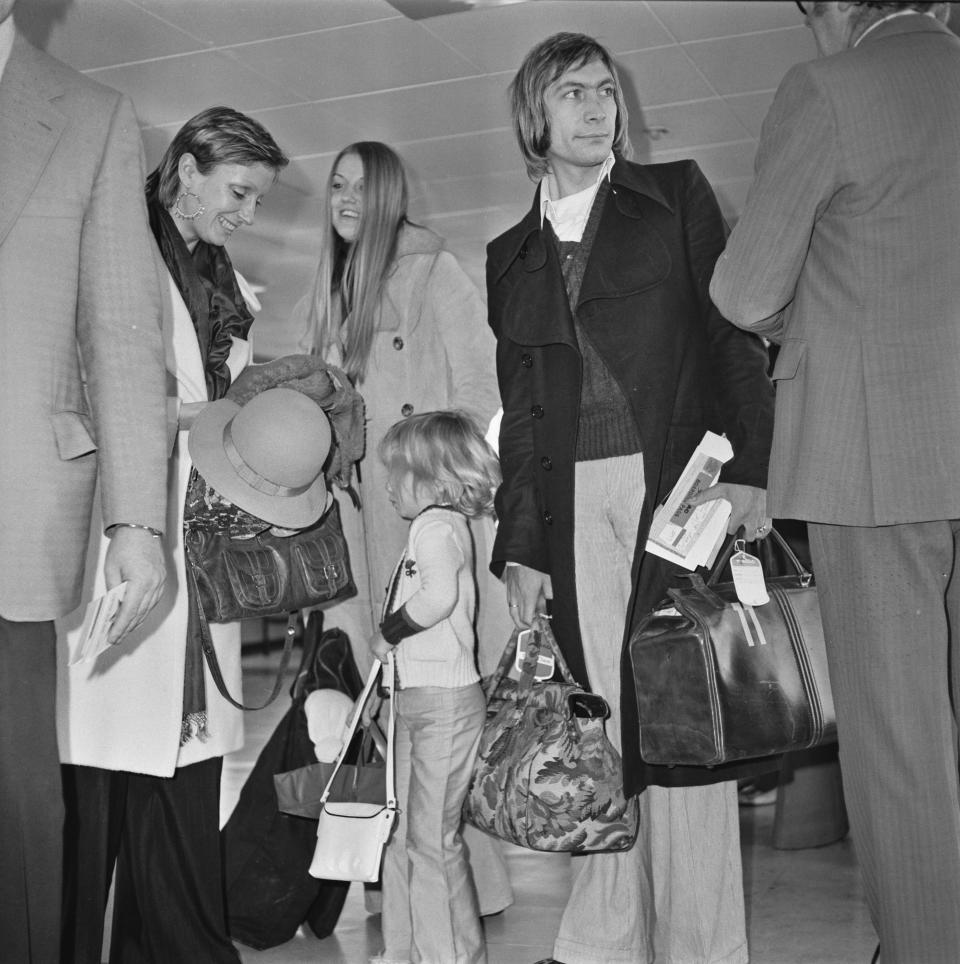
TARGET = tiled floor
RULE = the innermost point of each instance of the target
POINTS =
(803, 907)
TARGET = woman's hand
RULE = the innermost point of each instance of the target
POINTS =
(527, 593)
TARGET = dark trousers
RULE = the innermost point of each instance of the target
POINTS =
(163, 834)
(31, 796)
(890, 599)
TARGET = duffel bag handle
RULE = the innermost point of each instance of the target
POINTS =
(541, 631)
(806, 577)
(541, 638)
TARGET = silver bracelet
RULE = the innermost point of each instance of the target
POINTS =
(156, 533)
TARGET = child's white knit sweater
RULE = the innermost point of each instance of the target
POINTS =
(431, 603)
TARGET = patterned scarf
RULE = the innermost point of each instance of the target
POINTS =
(208, 285)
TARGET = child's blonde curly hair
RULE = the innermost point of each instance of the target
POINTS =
(446, 452)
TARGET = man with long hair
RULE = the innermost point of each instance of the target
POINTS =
(612, 364)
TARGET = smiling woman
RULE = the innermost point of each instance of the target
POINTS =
(146, 729)
(225, 198)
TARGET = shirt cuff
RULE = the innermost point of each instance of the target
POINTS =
(398, 626)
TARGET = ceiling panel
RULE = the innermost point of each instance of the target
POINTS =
(468, 195)
(246, 20)
(434, 110)
(175, 88)
(97, 33)
(705, 19)
(662, 76)
(376, 56)
(737, 65)
(698, 124)
(719, 162)
(308, 128)
(496, 39)
(457, 157)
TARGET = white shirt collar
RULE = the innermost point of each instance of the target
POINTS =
(569, 214)
(892, 16)
(6, 42)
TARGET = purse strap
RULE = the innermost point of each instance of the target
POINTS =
(361, 703)
(210, 654)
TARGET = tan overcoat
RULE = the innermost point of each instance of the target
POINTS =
(846, 255)
(432, 350)
(81, 357)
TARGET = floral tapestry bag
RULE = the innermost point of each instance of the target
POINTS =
(546, 776)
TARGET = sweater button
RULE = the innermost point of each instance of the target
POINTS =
(546, 463)
(536, 411)
(548, 517)
(526, 360)
(407, 410)
(398, 343)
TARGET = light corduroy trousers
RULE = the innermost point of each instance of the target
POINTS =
(677, 896)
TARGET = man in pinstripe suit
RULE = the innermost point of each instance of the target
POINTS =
(82, 395)
(846, 254)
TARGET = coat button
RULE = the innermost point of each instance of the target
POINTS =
(398, 343)
(536, 411)
(406, 410)
(546, 463)
(548, 517)
(526, 360)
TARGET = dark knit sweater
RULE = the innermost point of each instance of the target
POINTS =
(606, 427)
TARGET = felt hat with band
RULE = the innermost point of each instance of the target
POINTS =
(267, 456)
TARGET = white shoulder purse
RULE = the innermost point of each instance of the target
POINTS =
(351, 836)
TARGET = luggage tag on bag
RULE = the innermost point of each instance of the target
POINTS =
(748, 576)
(545, 661)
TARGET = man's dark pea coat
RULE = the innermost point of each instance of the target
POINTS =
(682, 368)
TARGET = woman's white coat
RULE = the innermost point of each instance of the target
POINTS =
(122, 710)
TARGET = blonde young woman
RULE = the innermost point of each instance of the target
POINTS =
(395, 310)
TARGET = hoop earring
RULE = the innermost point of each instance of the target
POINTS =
(181, 214)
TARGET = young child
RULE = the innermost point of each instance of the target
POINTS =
(441, 472)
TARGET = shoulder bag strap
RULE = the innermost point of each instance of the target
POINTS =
(210, 654)
(391, 731)
(375, 671)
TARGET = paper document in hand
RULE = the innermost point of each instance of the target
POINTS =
(96, 624)
(691, 535)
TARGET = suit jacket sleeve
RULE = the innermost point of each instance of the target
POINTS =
(756, 277)
(738, 360)
(119, 332)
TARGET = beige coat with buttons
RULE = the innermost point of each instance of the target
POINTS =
(433, 349)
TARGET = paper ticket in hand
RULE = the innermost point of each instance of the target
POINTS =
(686, 534)
(97, 621)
